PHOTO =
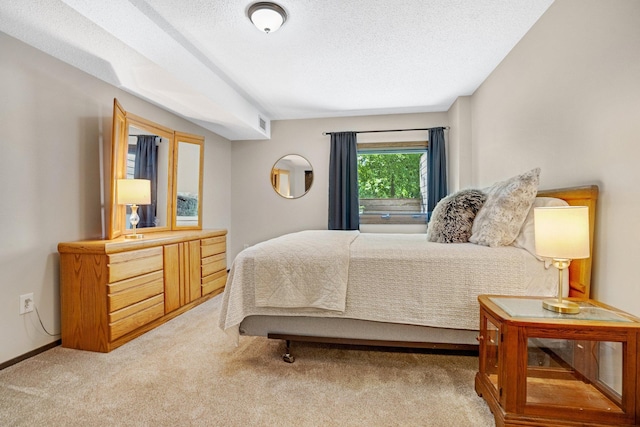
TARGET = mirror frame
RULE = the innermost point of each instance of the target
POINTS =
(117, 221)
(275, 172)
(116, 224)
(186, 138)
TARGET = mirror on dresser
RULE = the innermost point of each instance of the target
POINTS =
(292, 176)
(142, 149)
(189, 162)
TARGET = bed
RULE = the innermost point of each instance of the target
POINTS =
(399, 290)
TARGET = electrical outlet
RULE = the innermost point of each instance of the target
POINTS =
(26, 303)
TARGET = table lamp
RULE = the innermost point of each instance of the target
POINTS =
(562, 234)
(134, 192)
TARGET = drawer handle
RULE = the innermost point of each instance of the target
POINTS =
(479, 338)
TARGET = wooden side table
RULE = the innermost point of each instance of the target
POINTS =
(541, 368)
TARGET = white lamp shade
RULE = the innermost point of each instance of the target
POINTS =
(134, 191)
(562, 232)
(266, 16)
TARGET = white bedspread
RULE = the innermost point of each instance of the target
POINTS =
(305, 269)
(402, 278)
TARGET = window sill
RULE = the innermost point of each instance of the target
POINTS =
(393, 218)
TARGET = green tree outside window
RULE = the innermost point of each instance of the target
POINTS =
(389, 176)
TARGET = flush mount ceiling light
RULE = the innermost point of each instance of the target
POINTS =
(267, 16)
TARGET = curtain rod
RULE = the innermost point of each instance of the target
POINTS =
(390, 130)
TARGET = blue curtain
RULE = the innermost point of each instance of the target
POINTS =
(146, 167)
(343, 182)
(436, 168)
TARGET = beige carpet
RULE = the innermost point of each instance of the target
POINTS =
(188, 373)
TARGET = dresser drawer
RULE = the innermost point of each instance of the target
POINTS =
(214, 264)
(213, 246)
(127, 292)
(134, 263)
(214, 281)
(135, 308)
(142, 313)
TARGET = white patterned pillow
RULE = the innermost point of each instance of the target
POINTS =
(452, 218)
(508, 202)
(526, 238)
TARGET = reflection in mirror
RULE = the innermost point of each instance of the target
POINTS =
(188, 184)
(148, 153)
(292, 176)
(148, 158)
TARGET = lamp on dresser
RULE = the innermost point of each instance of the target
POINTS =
(562, 234)
(134, 192)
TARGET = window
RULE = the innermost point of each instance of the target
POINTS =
(392, 183)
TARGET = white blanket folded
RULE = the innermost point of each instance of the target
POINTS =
(308, 269)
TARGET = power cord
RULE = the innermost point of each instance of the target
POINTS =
(42, 324)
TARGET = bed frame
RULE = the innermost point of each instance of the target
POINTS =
(378, 334)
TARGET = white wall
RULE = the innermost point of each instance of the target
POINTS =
(459, 148)
(567, 99)
(54, 123)
(258, 213)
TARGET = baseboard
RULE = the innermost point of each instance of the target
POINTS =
(32, 353)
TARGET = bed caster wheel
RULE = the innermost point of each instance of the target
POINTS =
(287, 357)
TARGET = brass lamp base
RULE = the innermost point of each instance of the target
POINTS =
(564, 306)
(559, 304)
(133, 236)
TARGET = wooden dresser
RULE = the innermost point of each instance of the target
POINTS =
(112, 291)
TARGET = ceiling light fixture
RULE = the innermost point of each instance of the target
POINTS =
(267, 16)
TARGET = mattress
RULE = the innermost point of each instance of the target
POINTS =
(403, 279)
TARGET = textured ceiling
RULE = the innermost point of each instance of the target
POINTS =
(204, 60)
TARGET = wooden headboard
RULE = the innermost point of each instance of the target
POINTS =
(580, 269)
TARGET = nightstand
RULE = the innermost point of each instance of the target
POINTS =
(541, 368)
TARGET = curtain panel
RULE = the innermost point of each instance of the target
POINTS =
(343, 182)
(436, 168)
(146, 167)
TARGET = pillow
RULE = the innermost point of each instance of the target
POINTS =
(186, 204)
(526, 238)
(452, 218)
(508, 202)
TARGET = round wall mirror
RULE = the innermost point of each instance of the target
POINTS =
(292, 176)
